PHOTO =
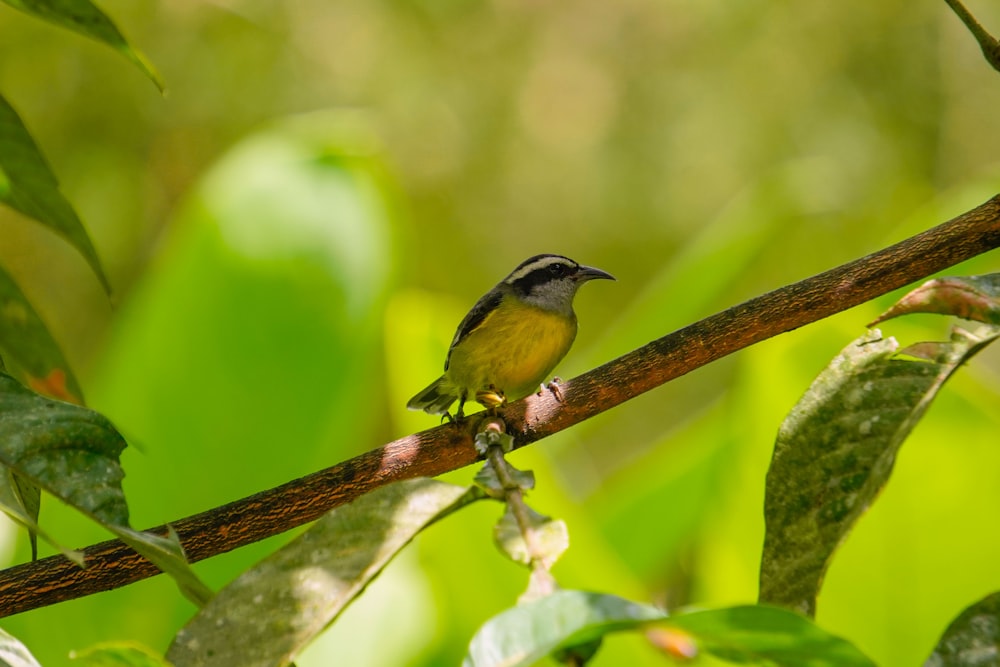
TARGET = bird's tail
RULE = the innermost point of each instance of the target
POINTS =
(435, 399)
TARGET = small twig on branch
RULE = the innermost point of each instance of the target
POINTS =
(542, 581)
(987, 42)
(429, 453)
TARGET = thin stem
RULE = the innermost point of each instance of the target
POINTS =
(988, 43)
(514, 498)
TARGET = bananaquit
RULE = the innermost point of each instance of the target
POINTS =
(512, 338)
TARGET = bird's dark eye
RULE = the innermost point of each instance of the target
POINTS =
(558, 270)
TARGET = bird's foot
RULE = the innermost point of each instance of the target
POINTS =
(555, 386)
(491, 398)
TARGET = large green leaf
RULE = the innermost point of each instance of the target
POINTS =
(268, 309)
(28, 185)
(273, 610)
(525, 634)
(836, 449)
(971, 639)
(84, 17)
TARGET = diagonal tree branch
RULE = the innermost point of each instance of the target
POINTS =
(987, 42)
(111, 564)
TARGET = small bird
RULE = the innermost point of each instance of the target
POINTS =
(512, 338)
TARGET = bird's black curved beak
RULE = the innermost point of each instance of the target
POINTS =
(585, 273)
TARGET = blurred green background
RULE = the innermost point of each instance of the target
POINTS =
(295, 229)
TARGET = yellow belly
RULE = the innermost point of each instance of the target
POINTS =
(513, 350)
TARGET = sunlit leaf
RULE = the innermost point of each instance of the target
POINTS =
(835, 452)
(760, 634)
(85, 18)
(118, 654)
(971, 639)
(29, 349)
(549, 537)
(14, 654)
(525, 634)
(28, 185)
(272, 611)
(970, 297)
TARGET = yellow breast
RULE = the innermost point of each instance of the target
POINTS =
(513, 350)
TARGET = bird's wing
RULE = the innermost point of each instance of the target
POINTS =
(474, 319)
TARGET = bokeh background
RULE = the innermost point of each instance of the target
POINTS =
(294, 230)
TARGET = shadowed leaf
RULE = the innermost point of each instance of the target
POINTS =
(28, 347)
(971, 639)
(971, 298)
(28, 185)
(836, 449)
(273, 610)
(21, 500)
(84, 17)
(70, 451)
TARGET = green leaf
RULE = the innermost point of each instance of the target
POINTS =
(970, 297)
(525, 634)
(836, 449)
(296, 223)
(273, 610)
(971, 639)
(73, 453)
(69, 451)
(488, 480)
(83, 17)
(29, 348)
(768, 635)
(550, 537)
(119, 654)
(28, 185)
(14, 654)
(21, 500)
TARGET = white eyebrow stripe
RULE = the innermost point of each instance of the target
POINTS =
(539, 263)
